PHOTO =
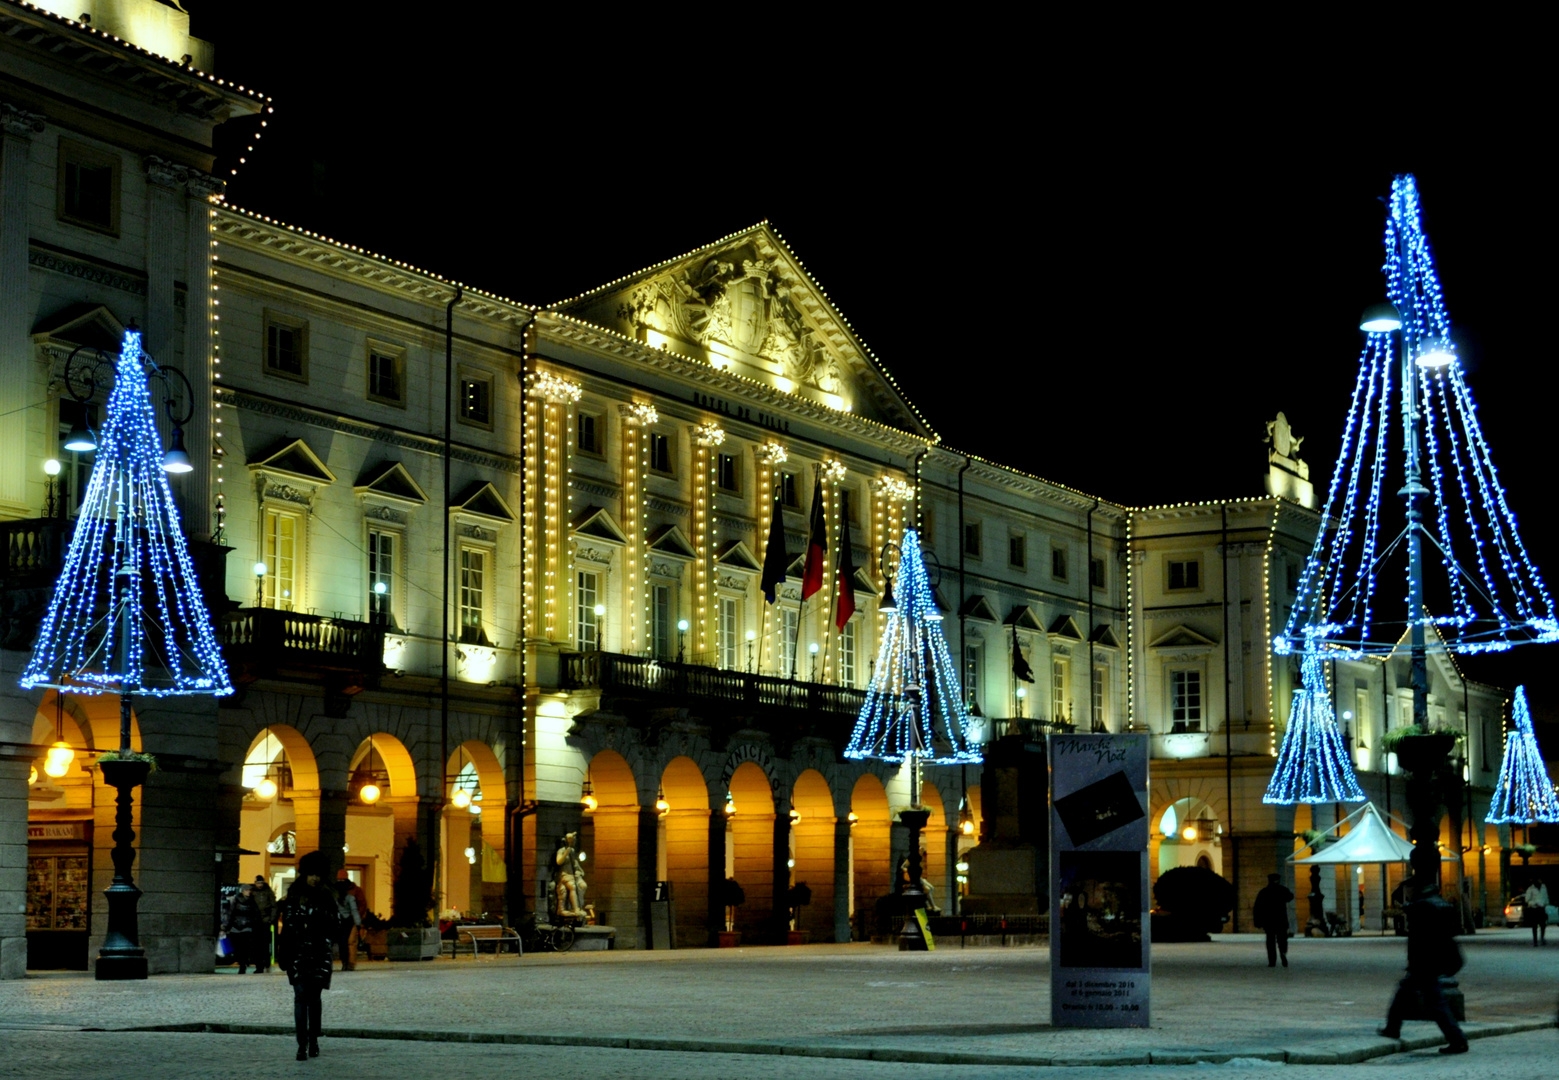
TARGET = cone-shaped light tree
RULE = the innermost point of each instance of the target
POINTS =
(1313, 765)
(127, 616)
(1524, 794)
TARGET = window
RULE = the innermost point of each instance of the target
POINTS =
(1097, 693)
(1017, 551)
(476, 400)
(88, 187)
(1058, 563)
(590, 432)
(281, 551)
(381, 576)
(789, 496)
(1362, 736)
(286, 347)
(1096, 573)
(1185, 700)
(660, 452)
(75, 465)
(386, 375)
(852, 505)
(473, 596)
(788, 641)
(1291, 576)
(1060, 692)
(1184, 574)
(847, 654)
(663, 621)
(586, 622)
(728, 473)
(974, 661)
(972, 539)
(729, 632)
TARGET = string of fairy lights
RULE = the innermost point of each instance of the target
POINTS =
(128, 558)
(1497, 598)
(1523, 793)
(913, 706)
(1313, 764)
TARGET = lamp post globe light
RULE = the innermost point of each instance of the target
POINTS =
(127, 615)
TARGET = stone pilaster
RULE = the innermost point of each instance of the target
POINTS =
(17, 127)
(842, 880)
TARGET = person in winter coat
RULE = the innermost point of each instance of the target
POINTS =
(1271, 916)
(1535, 911)
(242, 924)
(1432, 925)
(265, 900)
(309, 924)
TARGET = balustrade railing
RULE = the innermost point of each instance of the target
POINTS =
(615, 672)
(316, 639)
(34, 547)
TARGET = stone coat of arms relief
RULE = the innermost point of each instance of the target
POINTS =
(738, 299)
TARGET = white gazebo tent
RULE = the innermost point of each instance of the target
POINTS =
(1369, 840)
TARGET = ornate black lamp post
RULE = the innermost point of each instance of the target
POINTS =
(127, 616)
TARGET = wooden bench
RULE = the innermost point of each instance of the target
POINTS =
(474, 936)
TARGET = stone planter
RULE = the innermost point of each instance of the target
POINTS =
(730, 939)
(374, 943)
(1421, 755)
(416, 943)
(797, 937)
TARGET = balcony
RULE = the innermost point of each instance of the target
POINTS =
(721, 696)
(33, 551)
(266, 643)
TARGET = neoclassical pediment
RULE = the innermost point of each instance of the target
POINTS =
(295, 460)
(745, 304)
(738, 556)
(670, 540)
(389, 480)
(1181, 637)
(1023, 618)
(482, 500)
(595, 523)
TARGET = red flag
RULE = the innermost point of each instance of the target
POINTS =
(817, 543)
(846, 566)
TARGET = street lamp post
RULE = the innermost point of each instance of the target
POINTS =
(682, 625)
(51, 505)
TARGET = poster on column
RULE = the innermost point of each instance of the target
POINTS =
(1098, 880)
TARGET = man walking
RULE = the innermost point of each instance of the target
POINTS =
(1271, 915)
(1432, 951)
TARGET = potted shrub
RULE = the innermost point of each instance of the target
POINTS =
(411, 936)
(1193, 902)
(375, 929)
(731, 897)
(797, 897)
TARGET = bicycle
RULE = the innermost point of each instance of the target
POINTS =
(552, 937)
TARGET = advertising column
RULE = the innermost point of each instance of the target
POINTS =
(1098, 880)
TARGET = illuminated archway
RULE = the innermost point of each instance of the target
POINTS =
(609, 841)
(871, 877)
(749, 847)
(475, 870)
(282, 755)
(812, 850)
(683, 835)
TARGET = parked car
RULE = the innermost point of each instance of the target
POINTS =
(1514, 910)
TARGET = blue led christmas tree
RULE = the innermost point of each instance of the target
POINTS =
(1491, 596)
(1313, 765)
(127, 616)
(914, 709)
(1524, 793)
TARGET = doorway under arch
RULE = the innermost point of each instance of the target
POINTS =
(871, 877)
(683, 847)
(812, 851)
(749, 846)
(610, 841)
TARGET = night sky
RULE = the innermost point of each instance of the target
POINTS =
(1104, 272)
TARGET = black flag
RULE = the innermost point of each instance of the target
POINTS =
(1020, 666)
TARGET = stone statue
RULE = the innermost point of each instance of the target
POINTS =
(570, 887)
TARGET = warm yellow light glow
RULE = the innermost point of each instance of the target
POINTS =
(968, 827)
(730, 807)
(370, 793)
(852, 817)
(265, 789)
(461, 798)
(783, 385)
(1189, 833)
(51, 467)
(662, 806)
(32, 776)
(590, 803)
(795, 816)
(57, 761)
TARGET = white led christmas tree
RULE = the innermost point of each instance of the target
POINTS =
(914, 709)
(1523, 794)
(127, 616)
(1313, 765)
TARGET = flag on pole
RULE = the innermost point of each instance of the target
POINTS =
(775, 561)
(1020, 666)
(846, 605)
(817, 543)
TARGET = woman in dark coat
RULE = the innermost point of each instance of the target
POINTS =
(309, 923)
(242, 924)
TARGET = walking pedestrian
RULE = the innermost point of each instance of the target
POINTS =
(1271, 916)
(350, 911)
(241, 924)
(1432, 925)
(309, 924)
(1534, 912)
(265, 900)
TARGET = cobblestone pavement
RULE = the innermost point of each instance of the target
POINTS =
(1210, 1001)
(43, 1055)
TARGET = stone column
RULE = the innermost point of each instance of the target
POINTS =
(842, 880)
(17, 127)
(779, 913)
(649, 843)
(15, 761)
(716, 875)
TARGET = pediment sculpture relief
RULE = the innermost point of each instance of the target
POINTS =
(739, 299)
